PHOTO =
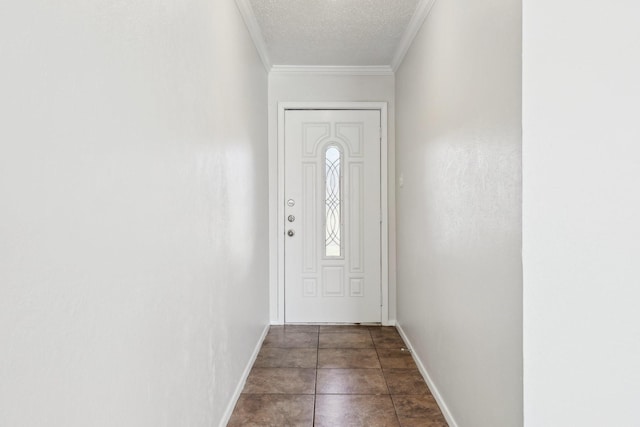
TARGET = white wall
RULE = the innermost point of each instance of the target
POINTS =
(581, 109)
(458, 145)
(133, 230)
(285, 87)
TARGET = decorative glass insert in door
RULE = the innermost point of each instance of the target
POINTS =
(333, 217)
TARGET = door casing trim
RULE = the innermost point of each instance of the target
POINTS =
(277, 288)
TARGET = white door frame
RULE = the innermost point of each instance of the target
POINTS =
(384, 198)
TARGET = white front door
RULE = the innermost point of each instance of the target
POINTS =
(332, 216)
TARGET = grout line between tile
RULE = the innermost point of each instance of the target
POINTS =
(395, 409)
(315, 389)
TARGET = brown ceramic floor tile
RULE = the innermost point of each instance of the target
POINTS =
(344, 328)
(418, 407)
(359, 366)
(421, 422)
(351, 381)
(405, 381)
(348, 358)
(353, 339)
(294, 328)
(383, 330)
(275, 357)
(388, 340)
(285, 339)
(281, 381)
(253, 410)
(391, 358)
(352, 411)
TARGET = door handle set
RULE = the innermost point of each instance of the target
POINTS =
(291, 218)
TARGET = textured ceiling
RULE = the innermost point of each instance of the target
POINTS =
(332, 32)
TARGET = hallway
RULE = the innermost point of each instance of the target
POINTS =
(141, 206)
(335, 376)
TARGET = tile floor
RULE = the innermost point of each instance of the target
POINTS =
(335, 376)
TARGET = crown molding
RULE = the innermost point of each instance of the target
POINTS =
(418, 18)
(333, 70)
(254, 30)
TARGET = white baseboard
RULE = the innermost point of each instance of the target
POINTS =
(434, 390)
(243, 380)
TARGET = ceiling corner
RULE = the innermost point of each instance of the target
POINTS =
(418, 18)
(244, 6)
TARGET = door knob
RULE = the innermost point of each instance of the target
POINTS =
(291, 233)
(291, 218)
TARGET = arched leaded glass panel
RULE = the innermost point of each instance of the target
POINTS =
(333, 208)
